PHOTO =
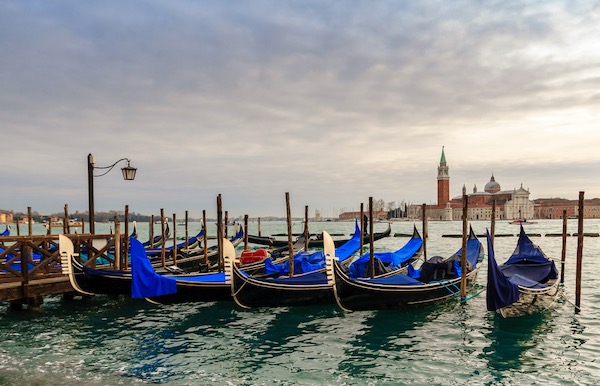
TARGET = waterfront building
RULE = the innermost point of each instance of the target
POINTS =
(510, 204)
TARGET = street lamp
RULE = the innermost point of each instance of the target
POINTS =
(128, 175)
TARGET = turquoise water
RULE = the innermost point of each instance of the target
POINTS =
(107, 341)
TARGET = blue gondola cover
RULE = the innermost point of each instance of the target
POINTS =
(145, 282)
(500, 291)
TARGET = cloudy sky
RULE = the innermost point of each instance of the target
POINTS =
(332, 101)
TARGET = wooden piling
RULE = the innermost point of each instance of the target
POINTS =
(187, 233)
(220, 232)
(463, 258)
(151, 231)
(164, 237)
(126, 241)
(117, 258)
(29, 221)
(259, 234)
(306, 227)
(371, 248)
(493, 224)
(66, 227)
(289, 230)
(579, 255)
(563, 254)
(425, 231)
(226, 225)
(362, 229)
(174, 239)
(205, 237)
(246, 232)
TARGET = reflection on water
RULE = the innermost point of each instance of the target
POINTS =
(510, 338)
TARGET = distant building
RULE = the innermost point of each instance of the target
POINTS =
(377, 215)
(510, 204)
(6, 218)
(553, 208)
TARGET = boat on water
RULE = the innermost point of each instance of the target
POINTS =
(522, 221)
(88, 280)
(156, 240)
(315, 241)
(308, 286)
(526, 283)
(437, 280)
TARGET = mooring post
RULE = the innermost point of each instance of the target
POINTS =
(493, 224)
(205, 237)
(371, 248)
(220, 232)
(259, 234)
(151, 231)
(174, 239)
(117, 243)
(164, 237)
(29, 221)
(463, 257)
(245, 232)
(126, 240)
(187, 232)
(579, 254)
(306, 228)
(362, 229)
(66, 225)
(563, 254)
(289, 229)
(425, 232)
(226, 224)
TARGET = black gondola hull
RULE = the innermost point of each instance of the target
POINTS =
(251, 293)
(356, 295)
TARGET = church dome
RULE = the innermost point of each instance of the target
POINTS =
(492, 186)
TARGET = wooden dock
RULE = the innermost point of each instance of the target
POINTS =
(30, 266)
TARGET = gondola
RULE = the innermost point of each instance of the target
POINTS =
(315, 241)
(192, 259)
(5, 232)
(306, 288)
(437, 280)
(526, 283)
(191, 243)
(156, 240)
(104, 280)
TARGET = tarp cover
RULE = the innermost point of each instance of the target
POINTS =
(500, 291)
(399, 279)
(308, 279)
(145, 282)
(305, 262)
(526, 251)
(191, 241)
(392, 260)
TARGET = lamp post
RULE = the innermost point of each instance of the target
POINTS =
(128, 175)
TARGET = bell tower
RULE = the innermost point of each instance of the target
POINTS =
(443, 181)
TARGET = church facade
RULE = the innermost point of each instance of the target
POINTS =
(510, 204)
